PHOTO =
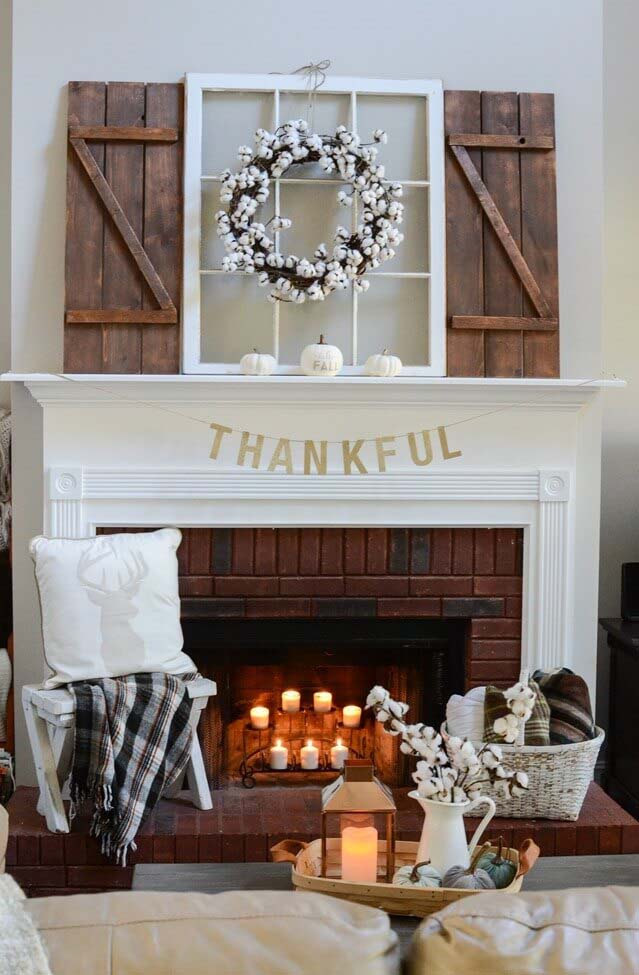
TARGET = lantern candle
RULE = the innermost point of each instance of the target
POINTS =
(278, 756)
(359, 854)
(322, 701)
(309, 756)
(259, 718)
(339, 754)
(290, 701)
(351, 716)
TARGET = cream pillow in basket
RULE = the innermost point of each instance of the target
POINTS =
(110, 605)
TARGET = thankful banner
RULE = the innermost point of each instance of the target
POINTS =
(256, 450)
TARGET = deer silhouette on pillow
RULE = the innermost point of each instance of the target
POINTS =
(112, 582)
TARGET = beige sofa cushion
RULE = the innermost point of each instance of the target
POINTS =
(569, 932)
(238, 933)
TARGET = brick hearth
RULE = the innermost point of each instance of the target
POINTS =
(243, 825)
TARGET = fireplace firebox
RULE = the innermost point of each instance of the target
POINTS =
(420, 661)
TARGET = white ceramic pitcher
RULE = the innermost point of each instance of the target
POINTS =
(443, 839)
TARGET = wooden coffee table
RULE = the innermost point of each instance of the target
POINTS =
(550, 873)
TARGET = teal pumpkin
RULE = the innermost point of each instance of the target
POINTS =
(501, 870)
(421, 875)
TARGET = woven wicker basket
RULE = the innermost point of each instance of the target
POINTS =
(558, 778)
(558, 775)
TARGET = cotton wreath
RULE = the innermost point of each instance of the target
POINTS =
(251, 250)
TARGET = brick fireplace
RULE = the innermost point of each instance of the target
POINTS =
(345, 592)
(497, 544)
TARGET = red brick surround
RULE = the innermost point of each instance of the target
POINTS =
(471, 573)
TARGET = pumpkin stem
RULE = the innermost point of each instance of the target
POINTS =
(414, 875)
(321, 341)
(499, 859)
(385, 352)
(476, 856)
(256, 350)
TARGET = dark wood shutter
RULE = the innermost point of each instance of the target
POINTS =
(502, 278)
(124, 228)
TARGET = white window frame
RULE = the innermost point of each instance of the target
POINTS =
(196, 85)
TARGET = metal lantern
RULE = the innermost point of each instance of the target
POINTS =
(358, 792)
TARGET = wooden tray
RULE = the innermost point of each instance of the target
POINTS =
(412, 901)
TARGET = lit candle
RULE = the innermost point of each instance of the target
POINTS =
(290, 701)
(351, 716)
(259, 718)
(359, 854)
(339, 753)
(309, 756)
(278, 756)
(322, 701)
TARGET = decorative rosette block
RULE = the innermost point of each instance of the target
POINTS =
(251, 246)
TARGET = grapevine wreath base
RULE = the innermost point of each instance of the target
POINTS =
(251, 250)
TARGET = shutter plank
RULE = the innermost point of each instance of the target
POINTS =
(123, 285)
(85, 229)
(502, 287)
(539, 230)
(163, 222)
(464, 259)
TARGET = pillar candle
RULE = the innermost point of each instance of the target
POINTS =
(351, 716)
(322, 701)
(259, 718)
(309, 756)
(359, 854)
(339, 753)
(290, 701)
(278, 756)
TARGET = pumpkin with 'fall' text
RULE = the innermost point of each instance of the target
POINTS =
(321, 359)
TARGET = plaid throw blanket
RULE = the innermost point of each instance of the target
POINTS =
(132, 741)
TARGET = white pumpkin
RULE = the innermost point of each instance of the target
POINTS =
(383, 364)
(421, 875)
(321, 359)
(257, 364)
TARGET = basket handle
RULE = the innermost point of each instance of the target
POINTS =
(286, 851)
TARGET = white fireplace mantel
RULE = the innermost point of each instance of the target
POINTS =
(134, 451)
(112, 390)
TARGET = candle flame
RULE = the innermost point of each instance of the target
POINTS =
(309, 742)
(278, 742)
(339, 741)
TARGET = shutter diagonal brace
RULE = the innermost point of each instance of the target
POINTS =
(168, 311)
(546, 321)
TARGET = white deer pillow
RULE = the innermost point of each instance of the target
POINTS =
(110, 605)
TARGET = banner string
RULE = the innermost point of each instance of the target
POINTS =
(268, 436)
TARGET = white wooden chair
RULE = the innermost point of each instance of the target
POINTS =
(49, 715)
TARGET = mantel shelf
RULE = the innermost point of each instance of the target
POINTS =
(115, 390)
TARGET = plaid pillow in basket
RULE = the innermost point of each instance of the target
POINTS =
(537, 728)
(567, 694)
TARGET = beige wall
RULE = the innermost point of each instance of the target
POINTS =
(494, 45)
(5, 194)
(620, 457)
